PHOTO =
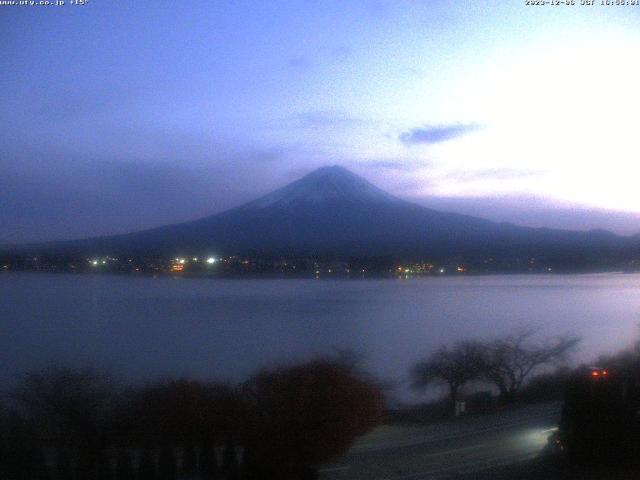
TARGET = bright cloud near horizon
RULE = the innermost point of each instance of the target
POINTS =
(120, 116)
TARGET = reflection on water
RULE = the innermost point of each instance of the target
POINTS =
(226, 329)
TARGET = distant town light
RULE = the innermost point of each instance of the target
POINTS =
(181, 261)
(195, 259)
(211, 260)
(94, 262)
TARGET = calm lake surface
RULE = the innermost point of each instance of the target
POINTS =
(226, 329)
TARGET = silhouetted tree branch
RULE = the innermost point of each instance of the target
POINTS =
(508, 361)
(453, 366)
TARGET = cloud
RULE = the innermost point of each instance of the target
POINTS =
(490, 174)
(49, 195)
(535, 211)
(436, 134)
(395, 165)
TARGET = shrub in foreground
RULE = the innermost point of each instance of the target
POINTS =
(304, 416)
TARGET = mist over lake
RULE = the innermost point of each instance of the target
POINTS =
(142, 328)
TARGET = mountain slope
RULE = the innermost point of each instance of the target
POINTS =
(333, 212)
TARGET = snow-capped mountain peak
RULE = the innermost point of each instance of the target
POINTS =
(326, 184)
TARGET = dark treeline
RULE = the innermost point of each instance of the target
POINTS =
(81, 424)
(325, 266)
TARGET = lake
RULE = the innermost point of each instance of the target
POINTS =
(142, 327)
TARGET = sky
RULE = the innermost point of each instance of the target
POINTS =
(118, 116)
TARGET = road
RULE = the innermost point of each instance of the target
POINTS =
(462, 447)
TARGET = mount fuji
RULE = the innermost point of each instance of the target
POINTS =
(333, 212)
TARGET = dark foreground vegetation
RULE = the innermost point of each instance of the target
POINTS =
(519, 367)
(79, 424)
(505, 364)
(280, 424)
(599, 429)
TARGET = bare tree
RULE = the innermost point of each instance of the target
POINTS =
(508, 361)
(454, 367)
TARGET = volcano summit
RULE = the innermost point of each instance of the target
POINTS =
(332, 212)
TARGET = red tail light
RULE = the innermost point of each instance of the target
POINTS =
(597, 373)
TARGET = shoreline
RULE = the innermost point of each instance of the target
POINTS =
(277, 276)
